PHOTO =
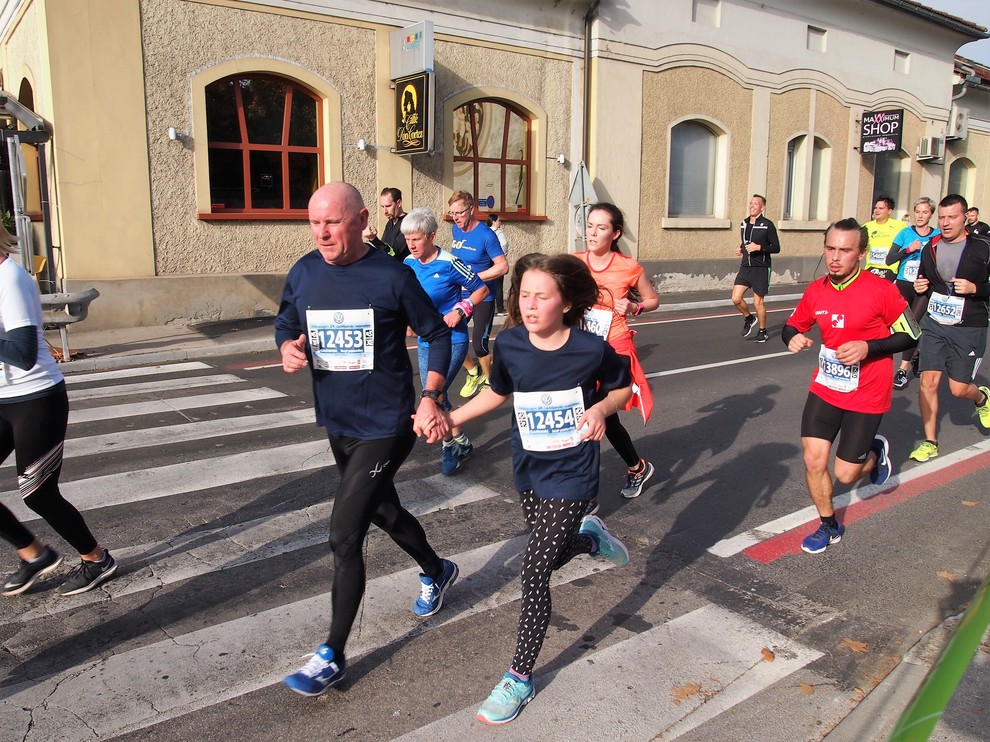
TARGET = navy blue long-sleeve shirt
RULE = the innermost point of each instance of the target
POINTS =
(373, 404)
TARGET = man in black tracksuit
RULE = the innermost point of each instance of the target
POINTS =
(955, 276)
(757, 242)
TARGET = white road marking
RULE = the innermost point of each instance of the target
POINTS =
(163, 385)
(163, 406)
(736, 544)
(711, 648)
(175, 479)
(735, 361)
(204, 551)
(130, 373)
(139, 687)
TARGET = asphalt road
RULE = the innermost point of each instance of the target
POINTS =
(212, 487)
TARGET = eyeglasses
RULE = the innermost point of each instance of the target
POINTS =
(457, 214)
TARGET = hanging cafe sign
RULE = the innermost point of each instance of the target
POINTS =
(880, 131)
(414, 114)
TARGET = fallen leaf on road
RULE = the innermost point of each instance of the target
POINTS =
(684, 692)
(807, 689)
(768, 656)
(969, 503)
(947, 576)
(855, 646)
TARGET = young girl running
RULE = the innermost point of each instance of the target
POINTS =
(617, 275)
(565, 382)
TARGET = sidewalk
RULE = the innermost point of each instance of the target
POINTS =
(967, 719)
(103, 350)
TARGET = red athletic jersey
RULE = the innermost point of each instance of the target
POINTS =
(863, 310)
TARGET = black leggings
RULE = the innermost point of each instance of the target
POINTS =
(367, 495)
(553, 541)
(35, 431)
(618, 436)
(917, 303)
(483, 318)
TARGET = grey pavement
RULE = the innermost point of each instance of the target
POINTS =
(967, 718)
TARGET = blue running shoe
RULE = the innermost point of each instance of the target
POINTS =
(817, 542)
(592, 507)
(450, 458)
(507, 700)
(466, 448)
(431, 597)
(882, 470)
(318, 674)
(609, 547)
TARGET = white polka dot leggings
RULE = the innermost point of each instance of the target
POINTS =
(554, 540)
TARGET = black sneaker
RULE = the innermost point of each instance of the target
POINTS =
(88, 575)
(748, 324)
(761, 336)
(900, 379)
(29, 572)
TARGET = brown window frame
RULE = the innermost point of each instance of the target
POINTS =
(526, 211)
(246, 148)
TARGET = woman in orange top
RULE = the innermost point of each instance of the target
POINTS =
(616, 275)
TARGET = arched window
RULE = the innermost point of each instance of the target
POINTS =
(807, 179)
(492, 155)
(694, 155)
(961, 178)
(265, 137)
(892, 177)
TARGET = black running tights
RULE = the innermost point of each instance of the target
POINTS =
(618, 436)
(35, 431)
(367, 495)
(553, 541)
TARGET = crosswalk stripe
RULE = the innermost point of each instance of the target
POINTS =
(185, 432)
(712, 648)
(163, 385)
(175, 479)
(201, 552)
(130, 373)
(157, 407)
(133, 689)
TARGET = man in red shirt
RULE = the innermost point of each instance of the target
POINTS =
(863, 321)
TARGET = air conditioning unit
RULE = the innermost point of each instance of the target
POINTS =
(958, 125)
(930, 148)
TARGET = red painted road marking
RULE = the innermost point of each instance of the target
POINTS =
(790, 542)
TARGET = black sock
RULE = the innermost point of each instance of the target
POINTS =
(830, 521)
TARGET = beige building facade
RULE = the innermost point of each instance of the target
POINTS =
(187, 134)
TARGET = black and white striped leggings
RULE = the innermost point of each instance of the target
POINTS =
(35, 431)
(554, 540)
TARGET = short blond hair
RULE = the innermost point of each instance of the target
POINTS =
(464, 196)
(8, 241)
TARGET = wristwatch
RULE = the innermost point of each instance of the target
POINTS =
(433, 394)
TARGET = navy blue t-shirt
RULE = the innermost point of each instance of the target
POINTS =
(379, 403)
(584, 361)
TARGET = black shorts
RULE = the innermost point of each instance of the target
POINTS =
(823, 420)
(950, 348)
(756, 278)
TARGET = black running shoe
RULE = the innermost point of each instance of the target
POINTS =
(29, 572)
(748, 324)
(88, 575)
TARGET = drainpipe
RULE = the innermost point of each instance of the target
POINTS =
(589, 18)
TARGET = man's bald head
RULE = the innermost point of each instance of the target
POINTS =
(337, 217)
